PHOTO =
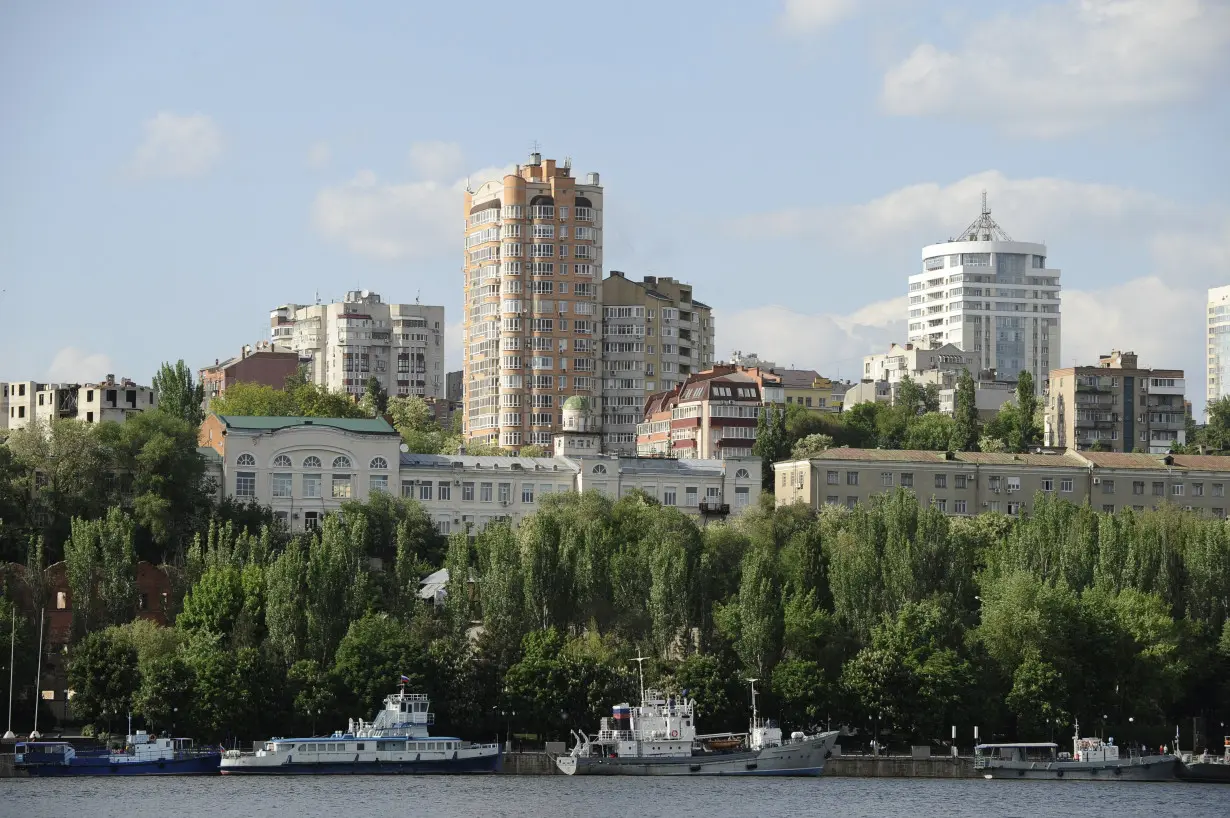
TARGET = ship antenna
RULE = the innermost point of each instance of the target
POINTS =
(753, 683)
(640, 669)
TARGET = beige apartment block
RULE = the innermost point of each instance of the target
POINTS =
(345, 343)
(111, 400)
(532, 273)
(811, 390)
(1116, 403)
(654, 335)
(967, 483)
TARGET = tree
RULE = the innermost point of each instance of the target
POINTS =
(965, 415)
(910, 396)
(1027, 432)
(103, 676)
(771, 445)
(375, 398)
(300, 399)
(810, 446)
(1216, 433)
(178, 396)
(375, 652)
(932, 431)
(165, 696)
(532, 450)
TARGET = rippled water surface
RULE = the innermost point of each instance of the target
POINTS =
(550, 796)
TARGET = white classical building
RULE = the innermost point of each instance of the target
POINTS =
(305, 468)
(347, 342)
(991, 296)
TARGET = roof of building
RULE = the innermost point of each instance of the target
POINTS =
(1029, 459)
(670, 465)
(1068, 459)
(363, 426)
(463, 461)
(209, 453)
(798, 378)
(579, 402)
(1157, 462)
(883, 455)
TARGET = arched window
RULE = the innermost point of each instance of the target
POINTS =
(599, 469)
(742, 474)
(379, 463)
(281, 462)
(311, 462)
(341, 462)
(246, 459)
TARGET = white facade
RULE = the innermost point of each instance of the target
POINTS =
(912, 359)
(25, 402)
(1218, 350)
(990, 296)
(348, 342)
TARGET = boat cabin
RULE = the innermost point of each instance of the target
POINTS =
(1045, 751)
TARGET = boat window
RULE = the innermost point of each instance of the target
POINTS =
(302, 748)
(360, 745)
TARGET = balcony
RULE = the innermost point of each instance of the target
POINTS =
(711, 509)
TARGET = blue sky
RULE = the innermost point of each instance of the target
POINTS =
(169, 173)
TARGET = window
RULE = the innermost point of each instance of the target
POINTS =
(1138, 487)
(378, 463)
(282, 484)
(958, 481)
(245, 483)
(341, 462)
(832, 500)
(851, 478)
(245, 459)
(61, 601)
(1197, 489)
(311, 462)
(993, 506)
(505, 493)
(743, 496)
(907, 480)
(1176, 490)
(832, 478)
(1108, 508)
(599, 469)
(1014, 484)
(958, 506)
(851, 502)
(742, 474)
(941, 481)
(886, 478)
(668, 495)
(1159, 489)
(311, 520)
(341, 486)
(378, 482)
(281, 462)
(1065, 485)
(311, 485)
(444, 490)
(467, 492)
(1219, 489)
(942, 505)
(1048, 484)
(527, 492)
(484, 492)
(425, 490)
(1108, 486)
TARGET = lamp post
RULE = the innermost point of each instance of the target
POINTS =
(174, 715)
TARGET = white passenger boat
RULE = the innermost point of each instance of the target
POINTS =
(1092, 759)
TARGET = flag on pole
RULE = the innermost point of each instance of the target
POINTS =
(405, 679)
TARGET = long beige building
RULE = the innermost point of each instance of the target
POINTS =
(967, 483)
(345, 343)
(654, 335)
(1116, 404)
(532, 272)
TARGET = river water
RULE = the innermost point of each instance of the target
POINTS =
(590, 797)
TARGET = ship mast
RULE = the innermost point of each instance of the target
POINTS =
(640, 669)
(753, 684)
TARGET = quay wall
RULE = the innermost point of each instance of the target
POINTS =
(900, 767)
(529, 764)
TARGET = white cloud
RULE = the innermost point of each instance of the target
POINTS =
(437, 161)
(831, 343)
(392, 221)
(319, 155)
(1061, 67)
(73, 365)
(177, 146)
(807, 16)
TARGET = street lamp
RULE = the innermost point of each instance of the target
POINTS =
(174, 715)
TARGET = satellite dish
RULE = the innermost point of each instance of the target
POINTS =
(404, 447)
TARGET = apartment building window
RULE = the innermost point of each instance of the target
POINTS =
(1197, 489)
(245, 484)
(311, 520)
(941, 481)
(691, 496)
(1065, 485)
(527, 492)
(832, 500)
(942, 505)
(1219, 489)
(1138, 508)
(425, 491)
(907, 480)
(1176, 490)
(282, 485)
(993, 483)
(467, 492)
(444, 490)
(377, 482)
(1014, 484)
(505, 495)
(993, 506)
(851, 478)
(958, 507)
(341, 486)
(1138, 487)
(1014, 509)
(1048, 484)
(851, 502)
(311, 485)
(886, 478)
(959, 482)
(668, 495)
(1219, 513)
(1108, 486)
(833, 478)
(1159, 489)
(1108, 508)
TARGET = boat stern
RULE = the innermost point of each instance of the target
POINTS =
(567, 764)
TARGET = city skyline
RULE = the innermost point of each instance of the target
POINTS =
(141, 191)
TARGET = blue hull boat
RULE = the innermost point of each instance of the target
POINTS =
(142, 755)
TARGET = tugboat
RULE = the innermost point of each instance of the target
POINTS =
(142, 755)
(1092, 760)
(659, 738)
(396, 742)
(1206, 768)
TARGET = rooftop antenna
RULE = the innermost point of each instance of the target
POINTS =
(640, 668)
(534, 146)
(417, 293)
(318, 296)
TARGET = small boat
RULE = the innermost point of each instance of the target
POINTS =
(659, 738)
(1205, 767)
(1092, 759)
(396, 742)
(143, 754)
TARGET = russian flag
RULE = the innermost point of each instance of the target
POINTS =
(405, 679)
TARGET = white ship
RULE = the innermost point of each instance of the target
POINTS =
(397, 742)
(1092, 759)
(659, 738)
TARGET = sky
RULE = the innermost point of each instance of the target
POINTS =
(170, 172)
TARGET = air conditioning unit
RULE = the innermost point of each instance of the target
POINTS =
(1097, 481)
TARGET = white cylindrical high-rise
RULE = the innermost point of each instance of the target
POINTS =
(992, 296)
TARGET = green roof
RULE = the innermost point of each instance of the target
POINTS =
(363, 426)
(209, 453)
(577, 402)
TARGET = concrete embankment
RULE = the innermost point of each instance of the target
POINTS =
(8, 769)
(529, 764)
(900, 767)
